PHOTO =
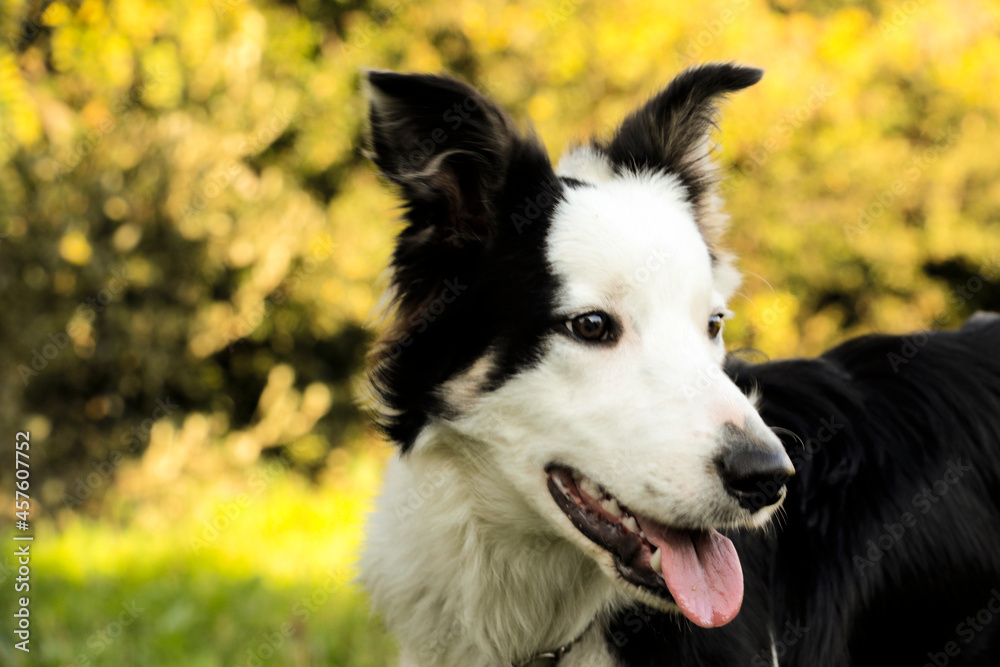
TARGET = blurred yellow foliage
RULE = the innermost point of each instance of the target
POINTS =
(183, 195)
(191, 239)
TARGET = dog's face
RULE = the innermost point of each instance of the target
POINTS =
(566, 326)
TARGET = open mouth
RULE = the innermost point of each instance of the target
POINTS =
(698, 570)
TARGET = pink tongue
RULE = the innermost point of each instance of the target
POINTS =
(702, 572)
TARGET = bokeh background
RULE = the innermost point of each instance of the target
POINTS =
(190, 240)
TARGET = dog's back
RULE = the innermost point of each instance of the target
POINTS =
(889, 551)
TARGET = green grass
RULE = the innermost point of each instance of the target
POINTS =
(181, 616)
(271, 587)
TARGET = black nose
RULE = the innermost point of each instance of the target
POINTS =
(755, 475)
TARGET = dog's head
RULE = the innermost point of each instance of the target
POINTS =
(564, 327)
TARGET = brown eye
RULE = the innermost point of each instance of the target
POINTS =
(592, 327)
(715, 326)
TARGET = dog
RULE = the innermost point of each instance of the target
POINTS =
(582, 477)
(888, 551)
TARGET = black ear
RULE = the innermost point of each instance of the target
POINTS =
(469, 273)
(447, 146)
(671, 132)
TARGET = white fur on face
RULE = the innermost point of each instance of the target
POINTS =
(468, 556)
(644, 416)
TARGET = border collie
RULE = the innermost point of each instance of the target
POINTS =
(581, 473)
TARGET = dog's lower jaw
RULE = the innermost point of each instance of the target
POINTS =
(455, 581)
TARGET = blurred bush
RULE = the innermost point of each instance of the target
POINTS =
(189, 233)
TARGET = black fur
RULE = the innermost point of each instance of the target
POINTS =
(669, 133)
(891, 535)
(478, 197)
(865, 568)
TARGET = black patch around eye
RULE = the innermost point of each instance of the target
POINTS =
(502, 302)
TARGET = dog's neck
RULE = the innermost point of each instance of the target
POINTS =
(465, 572)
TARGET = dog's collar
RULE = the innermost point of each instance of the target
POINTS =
(551, 658)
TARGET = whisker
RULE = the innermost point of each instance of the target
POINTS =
(739, 293)
(792, 434)
(762, 279)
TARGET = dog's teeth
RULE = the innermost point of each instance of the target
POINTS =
(610, 506)
(656, 561)
(630, 524)
(590, 488)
